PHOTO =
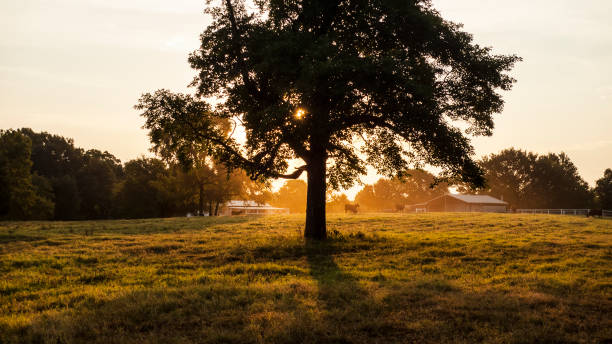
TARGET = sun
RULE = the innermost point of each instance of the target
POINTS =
(300, 113)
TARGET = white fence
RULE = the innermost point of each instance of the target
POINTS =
(583, 212)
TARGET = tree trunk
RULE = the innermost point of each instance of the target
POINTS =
(210, 209)
(217, 209)
(201, 200)
(315, 200)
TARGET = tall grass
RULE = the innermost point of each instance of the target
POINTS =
(454, 278)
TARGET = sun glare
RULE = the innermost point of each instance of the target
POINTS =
(300, 113)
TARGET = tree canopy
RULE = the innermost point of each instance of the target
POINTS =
(603, 190)
(20, 197)
(345, 84)
(529, 180)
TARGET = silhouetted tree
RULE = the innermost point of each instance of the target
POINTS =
(67, 197)
(141, 193)
(311, 79)
(96, 180)
(19, 197)
(58, 160)
(388, 194)
(557, 183)
(510, 175)
(528, 180)
(603, 190)
(173, 140)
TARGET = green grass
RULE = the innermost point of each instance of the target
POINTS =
(381, 278)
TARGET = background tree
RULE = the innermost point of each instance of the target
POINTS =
(510, 175)
(388, 194)
(59, 161)
(176, 187)
(419, 186)
(96, 180)
(336, 202)
(557, 183)
(313, 79)
(367, 200)
(92, 184)
(19, 197)
(292, 195)
(141, 193)
(173, 141)
(603, 190)
(255, 191)
(528, 180)
(226, 185)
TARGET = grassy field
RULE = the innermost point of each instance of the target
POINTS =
(381, 278)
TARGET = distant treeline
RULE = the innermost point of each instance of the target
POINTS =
(44, 177)
(529, 180)
(523, 179)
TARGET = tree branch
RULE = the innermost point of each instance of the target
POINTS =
(369, 120)
(238, 48)
(295, 175)
(255, 168)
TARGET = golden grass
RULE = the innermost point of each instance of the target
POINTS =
(454, 278)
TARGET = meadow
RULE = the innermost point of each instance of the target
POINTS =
(381, 278)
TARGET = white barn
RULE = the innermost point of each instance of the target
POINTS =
(239, 207)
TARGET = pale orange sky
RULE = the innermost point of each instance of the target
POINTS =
(76, 68)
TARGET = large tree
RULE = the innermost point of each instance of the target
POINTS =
(315, 79)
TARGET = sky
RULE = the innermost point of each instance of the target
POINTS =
(77, 67)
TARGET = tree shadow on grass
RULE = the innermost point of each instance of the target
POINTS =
(10, 238)
(350, 311)
(343, 308)
(336, 287)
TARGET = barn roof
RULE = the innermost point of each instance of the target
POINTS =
(244, 203)
(478, 199)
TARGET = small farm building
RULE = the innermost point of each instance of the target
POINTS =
(466, 203)
(239, 207)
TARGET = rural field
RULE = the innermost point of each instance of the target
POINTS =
(382, 278)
